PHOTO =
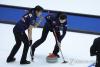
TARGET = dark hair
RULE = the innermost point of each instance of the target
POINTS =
(62, 16)
(38, 8)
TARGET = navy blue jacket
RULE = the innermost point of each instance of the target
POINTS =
(52, 22)
(21, 25)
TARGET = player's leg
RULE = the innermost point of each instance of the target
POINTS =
(25, 49)
(15, 48)
(40, 41)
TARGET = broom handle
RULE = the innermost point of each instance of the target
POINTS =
(59, 45)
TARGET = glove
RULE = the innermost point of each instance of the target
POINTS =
(30, 42)
(92, 54)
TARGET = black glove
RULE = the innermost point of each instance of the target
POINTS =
(30, 42)
(92, 54)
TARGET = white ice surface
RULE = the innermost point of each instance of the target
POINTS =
(75, 47)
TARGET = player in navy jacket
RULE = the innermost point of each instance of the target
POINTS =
(26, 22)
(54, 22)
(95, 51)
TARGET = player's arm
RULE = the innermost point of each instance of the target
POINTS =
(30, 31)
(92, 50)
(30, 34)
(64, 32)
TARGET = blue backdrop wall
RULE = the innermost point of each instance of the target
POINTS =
(75, 22)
